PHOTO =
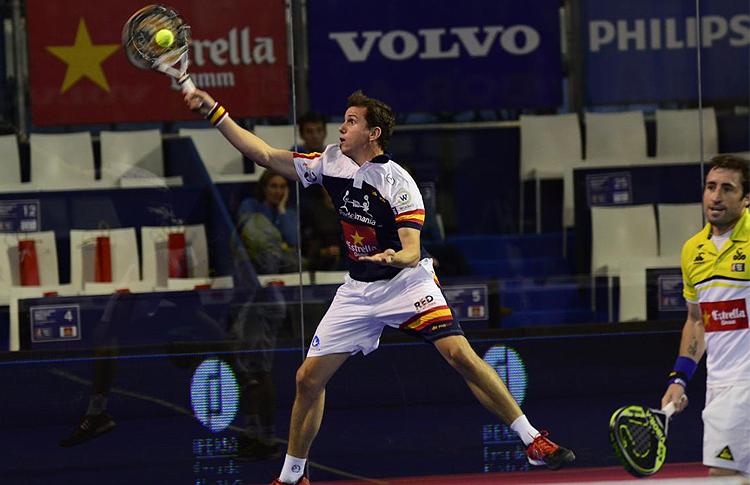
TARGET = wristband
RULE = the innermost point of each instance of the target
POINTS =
(684, 368)
(217, 114)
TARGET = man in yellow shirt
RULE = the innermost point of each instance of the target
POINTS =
(716, 277)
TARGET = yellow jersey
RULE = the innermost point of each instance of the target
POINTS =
(719, 281)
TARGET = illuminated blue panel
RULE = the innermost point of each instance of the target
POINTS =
(511, 369)
(214, 394)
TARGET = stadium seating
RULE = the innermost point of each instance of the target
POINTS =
(86, 253)
(165, 246)
(218, 155)
(285, 279)
(550, 146)
(615, 138)
(678, 135)
(278, 136)
(677, 223)
(131, 154)
(10, 168)
(62, 161)
(28, 259)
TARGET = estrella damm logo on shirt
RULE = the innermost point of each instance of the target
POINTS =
(722, 316)
(360, 240)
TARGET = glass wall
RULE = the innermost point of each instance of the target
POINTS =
(159, 289)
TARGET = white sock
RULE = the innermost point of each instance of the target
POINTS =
(524, 429)
(292, 470)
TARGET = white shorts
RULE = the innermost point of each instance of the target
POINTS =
(726, 433)
(411, 301)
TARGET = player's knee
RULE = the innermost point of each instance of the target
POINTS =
(307, 384)
(461, 358)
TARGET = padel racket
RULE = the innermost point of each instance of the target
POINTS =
(139, 40)
(639, 437)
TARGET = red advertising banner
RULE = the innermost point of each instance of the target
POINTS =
(79, 73)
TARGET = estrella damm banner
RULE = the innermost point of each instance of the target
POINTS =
(79, 72)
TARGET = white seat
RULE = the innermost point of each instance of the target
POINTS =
(183, 284)
(678, 134)
(46, 253)
(124, 257)
(618, 231)
(633, 300)
(155, 252)
(218, 155)
(621, 236)
(330, 277)
(278, 136)
(62, 161)
(677, 224)
(332, 134)
(550, 146)
(93, 288)
(131, 154)
(615, 138)
(10, 168)
(284, 279)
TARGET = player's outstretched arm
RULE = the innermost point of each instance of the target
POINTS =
(692, 348)
(254, 148)
(408, 257)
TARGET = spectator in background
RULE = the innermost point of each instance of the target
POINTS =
(268, 228)
(321, 242)
(312, 130)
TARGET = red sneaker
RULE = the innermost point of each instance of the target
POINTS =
(542, 451)
(301, 481)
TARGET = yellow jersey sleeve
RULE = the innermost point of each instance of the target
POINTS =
(688, 289)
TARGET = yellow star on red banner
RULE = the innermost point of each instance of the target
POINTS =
(357, 239)
(84, 59)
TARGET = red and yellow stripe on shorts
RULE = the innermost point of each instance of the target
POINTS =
(428, 317)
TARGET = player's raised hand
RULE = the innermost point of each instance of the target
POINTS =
(199, 101)
(385, 258)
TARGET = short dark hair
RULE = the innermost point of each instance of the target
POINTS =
(733, 162)
(310, 117)
(379, 115)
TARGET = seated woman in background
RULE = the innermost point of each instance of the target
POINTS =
(268, 227)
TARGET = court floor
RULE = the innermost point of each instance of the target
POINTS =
(677, 473)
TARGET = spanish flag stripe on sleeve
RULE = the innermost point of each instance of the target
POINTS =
(308, 156)
(415, 214)
(421, 320)
(413, 218)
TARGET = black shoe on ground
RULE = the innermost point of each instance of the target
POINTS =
(92, 426)
(253, 449)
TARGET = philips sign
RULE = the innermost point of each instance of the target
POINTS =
(646, 51)
(421, 57)
(670, 33)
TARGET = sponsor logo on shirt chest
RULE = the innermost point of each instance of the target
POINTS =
(722, 316)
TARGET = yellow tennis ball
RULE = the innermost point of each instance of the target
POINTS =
(164, 38)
